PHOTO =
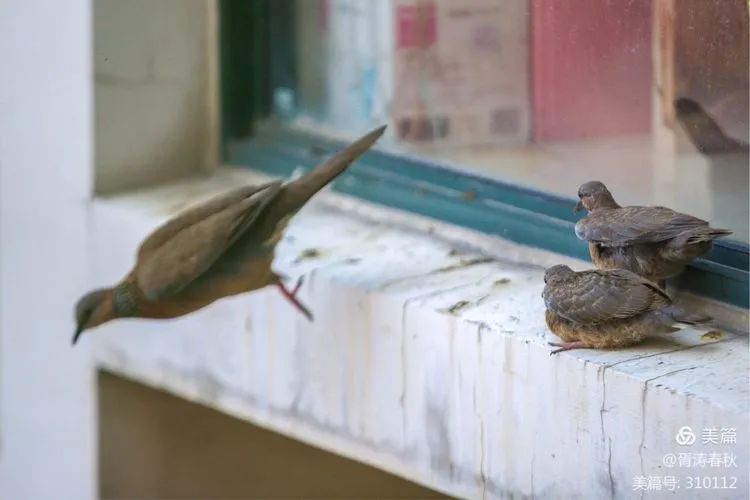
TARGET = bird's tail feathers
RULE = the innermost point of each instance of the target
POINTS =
(679, 315)
(705, 234)
(692, 243)
(302, 189)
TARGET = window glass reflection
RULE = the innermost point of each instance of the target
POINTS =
(650, 97)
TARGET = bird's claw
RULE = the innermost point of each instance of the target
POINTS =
(298, 285)
(567, 346)
(555, 351)
(292, 297)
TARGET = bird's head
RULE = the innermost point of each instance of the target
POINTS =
(556, 273)
(93, 309)
(685, 106)
(593, 195)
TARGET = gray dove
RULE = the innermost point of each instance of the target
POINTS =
(599, 309)
(653, 242)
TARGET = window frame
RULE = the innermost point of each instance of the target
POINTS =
(255, 33)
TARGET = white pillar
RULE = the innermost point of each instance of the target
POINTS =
(47, 391)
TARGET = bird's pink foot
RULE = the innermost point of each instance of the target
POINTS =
(291, 296)
(298, 285)
(566, 346)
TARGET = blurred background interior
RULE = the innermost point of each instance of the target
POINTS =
(537, 93)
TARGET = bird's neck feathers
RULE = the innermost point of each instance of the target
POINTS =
(124, 299)
(604, 201)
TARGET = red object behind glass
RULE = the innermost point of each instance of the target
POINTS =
(592, 68)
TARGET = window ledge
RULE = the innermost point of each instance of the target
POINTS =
(426, 358)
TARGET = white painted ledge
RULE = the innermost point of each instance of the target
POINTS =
(426, 359)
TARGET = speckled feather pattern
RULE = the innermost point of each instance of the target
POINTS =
(604, 309)
(608, 334)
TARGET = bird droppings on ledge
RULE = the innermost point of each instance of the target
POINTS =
(306, 254)
(456, 308)
(712, 335)
(481, 325)
(464, 263)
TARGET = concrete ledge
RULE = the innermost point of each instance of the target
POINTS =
(427, 359)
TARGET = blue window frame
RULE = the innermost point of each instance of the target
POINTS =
(257, 54)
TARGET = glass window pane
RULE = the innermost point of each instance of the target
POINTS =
(650, 97)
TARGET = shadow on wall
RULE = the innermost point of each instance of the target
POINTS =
(154, 445)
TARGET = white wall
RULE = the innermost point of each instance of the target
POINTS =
(156, 108)
(155, 119)
(47, 425)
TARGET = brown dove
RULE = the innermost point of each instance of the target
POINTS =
(653, 242)
(601, 309)
(222, 247)
(703, 130)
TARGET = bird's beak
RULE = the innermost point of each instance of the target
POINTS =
(579, 206)
(77, 334)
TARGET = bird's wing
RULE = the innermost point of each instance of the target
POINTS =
(592, 297)
(633, 225)
(193, 215)
(194, 248)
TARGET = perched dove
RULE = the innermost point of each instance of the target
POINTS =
(653, 242)
(222, 247)
(607, 309)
